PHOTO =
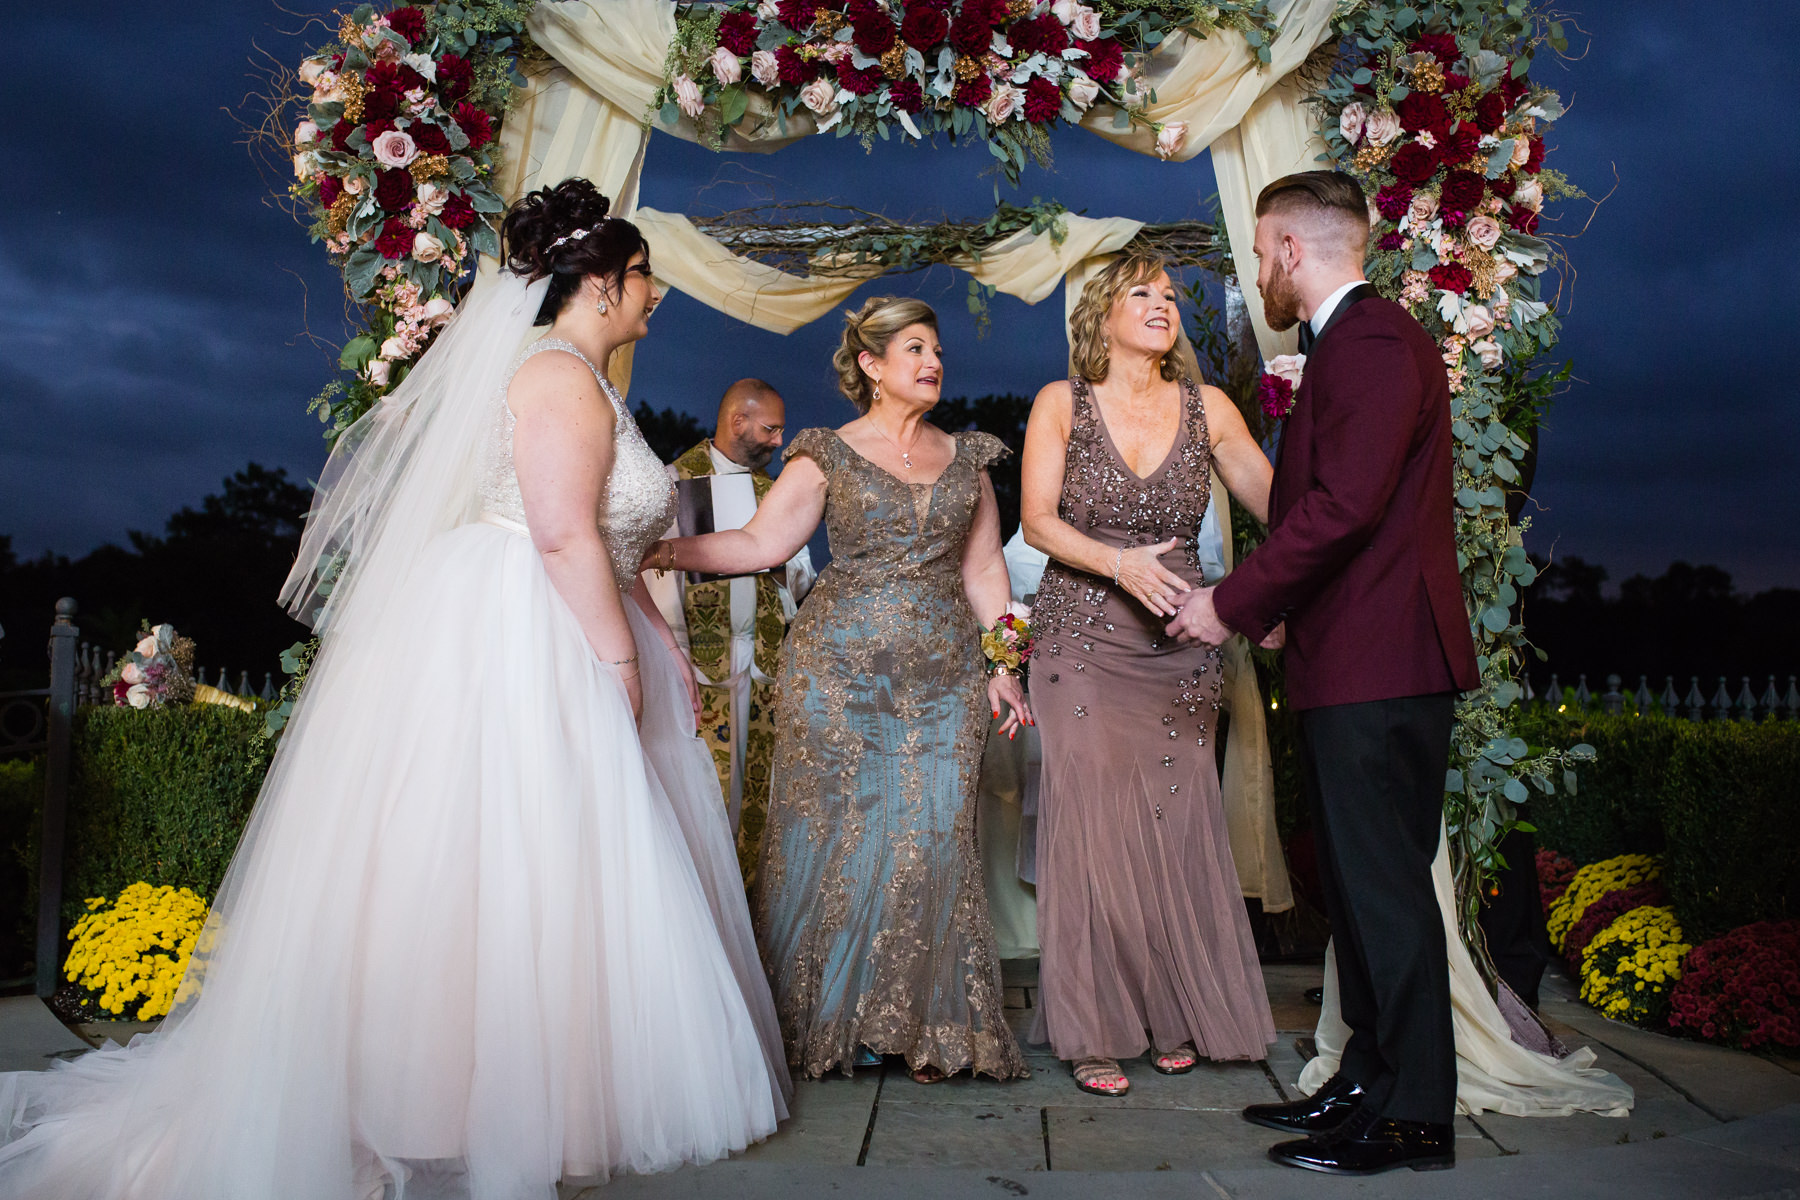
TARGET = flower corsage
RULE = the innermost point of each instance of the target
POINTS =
(1008, 641)
(1279, 383)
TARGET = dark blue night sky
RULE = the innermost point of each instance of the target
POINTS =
(154, 301)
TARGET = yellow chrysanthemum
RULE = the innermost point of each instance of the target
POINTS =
(136, 949)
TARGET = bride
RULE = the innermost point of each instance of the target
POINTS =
(485, 928)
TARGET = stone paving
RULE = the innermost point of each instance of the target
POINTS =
(1709, 1122)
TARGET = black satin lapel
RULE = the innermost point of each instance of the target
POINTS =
(1356, 295)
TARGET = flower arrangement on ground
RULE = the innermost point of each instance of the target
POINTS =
(1591, 883)
(155, 672)
(1629, 968)
(1554, 871)
(1000, 70)
(1603, 912)
(1008, 642)
(135, 950)
(394, 161)
(1743, 988)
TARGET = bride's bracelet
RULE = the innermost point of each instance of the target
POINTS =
(665, 557)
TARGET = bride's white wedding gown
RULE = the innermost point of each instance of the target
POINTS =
(482, 932)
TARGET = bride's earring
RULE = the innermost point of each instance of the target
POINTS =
(600, 306)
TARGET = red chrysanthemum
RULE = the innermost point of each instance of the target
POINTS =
(340, 134)
(454, 77)
(924, 26)
(381, 105)
(428, 138)
(1106, 58)
(1441, 46)
(1504, 186)
(737, 32)
(1043, 101)
(1490, 112)
(1413, 164)
(1513, 89)
(1038, 35)
(791, 67)
(1452, 277)
(383, 77)
(969, 33)
(1534, 161)
(1454, 81)
(1393, 239)
(1462, 191)
(1523, 220)
(1393, 201)
(375, 129)
(475, 124)
(973, 93)
(1460, 144)
(396, 239)
(907, 95)
(1604, 912)
(409, 23)
(330, 188)
(458, 212)
(1276, 395)
(796, 14)
(394, 189)
(410, 79)
(875, 36)
(1742, 988)
(1420, 113)
(858, 82)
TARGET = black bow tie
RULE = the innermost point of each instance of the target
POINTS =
(1307, 337)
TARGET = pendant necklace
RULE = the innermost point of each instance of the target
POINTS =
(905, 455)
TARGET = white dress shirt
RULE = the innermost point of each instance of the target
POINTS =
(1324, 311)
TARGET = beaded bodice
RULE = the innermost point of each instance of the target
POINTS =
(640, 498)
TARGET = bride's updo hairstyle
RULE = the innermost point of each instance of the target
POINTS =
(871, 328)
(535, 226)
(1088, 351)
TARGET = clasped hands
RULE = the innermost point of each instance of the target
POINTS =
(1198, 621)
(1140, 572)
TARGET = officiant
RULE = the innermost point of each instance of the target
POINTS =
(731, 628)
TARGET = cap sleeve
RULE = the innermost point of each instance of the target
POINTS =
(820, 445)
(981, 449)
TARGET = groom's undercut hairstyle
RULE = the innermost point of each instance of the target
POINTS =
(1326, 208)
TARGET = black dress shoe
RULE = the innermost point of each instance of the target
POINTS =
(1368, 1147)
(1320, 1112)
(1314, 995)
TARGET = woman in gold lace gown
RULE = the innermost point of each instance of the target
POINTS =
(870, 910)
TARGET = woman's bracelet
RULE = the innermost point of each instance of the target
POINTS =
(1117, 560)
(665, 558)
(621, 662)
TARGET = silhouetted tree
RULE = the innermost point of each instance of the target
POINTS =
(669, 433)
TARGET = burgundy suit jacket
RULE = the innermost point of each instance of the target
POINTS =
(1360, 560)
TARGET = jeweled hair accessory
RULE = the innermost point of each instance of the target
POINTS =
(575, 235)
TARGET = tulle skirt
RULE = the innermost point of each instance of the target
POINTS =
(481, 933)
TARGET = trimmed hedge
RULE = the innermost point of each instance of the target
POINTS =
(158, 796)
(21, 800)
(1717, 800)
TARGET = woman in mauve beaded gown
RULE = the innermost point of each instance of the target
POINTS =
(870, 908)
(1145, 941)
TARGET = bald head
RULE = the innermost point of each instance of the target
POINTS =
(751, 420)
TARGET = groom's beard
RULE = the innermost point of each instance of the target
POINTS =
(1281, 300)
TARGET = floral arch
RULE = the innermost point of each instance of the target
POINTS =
(421, 123)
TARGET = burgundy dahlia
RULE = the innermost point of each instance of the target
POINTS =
(1504, 186)
(924, 26)
(1462, 192)
(874, 36)
(1534, 162)
(381, 105)
(1523, 220)
(1420, 113)
(384, 77)
(1393, 201)
(1513, 89)
(394, 189)
(1043, 100)
(476, 125)
(973, 93)
(1454, 81)
(791, 67)
(1413, 164)
(858, 82)
(428, 138)
(1460, 145)
(396, 239)
(340, 134)
(970, 33)
(797, 14)
(1393, 239)
(1490, 112)
(1038, 35)
(1452, 277)
(907, 95)
(454, 77)
(409, 23)
(375, 129)
(1276, 396)
(458, 212)
(1105, 59)
(1441, 46)
(737, 33)
(330, 188)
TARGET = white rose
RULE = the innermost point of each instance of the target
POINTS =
(306, 165)
(376, 372)
(146, 646)
(432, 198)
(305, 133)
(393, 347)
(1003, 103)
(1017, 611)
(1382, 127)
(763, 68)
(138, 696)
(1288, 366)
(1170, 138)
(1489, 351)
(768, 10)
(1350, 121)
(687, 97)
(1083, 91)
(1086, 25)
(1529, 194)
(356, 185)
(394, 149)
(726, 67)
(427, 248)
(311, 70)
(424, 64)
(1484, 231)
(132, 673)
(819, 97)
(1479, 320)
(437, 311)
(1521, 151)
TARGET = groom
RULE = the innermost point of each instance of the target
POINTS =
(1360, 563)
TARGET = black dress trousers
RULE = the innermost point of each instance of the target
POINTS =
(1374, 774)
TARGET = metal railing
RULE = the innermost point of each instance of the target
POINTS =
(1694, 705)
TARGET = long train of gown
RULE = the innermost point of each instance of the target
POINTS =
(1493, 1072)
(475, 940)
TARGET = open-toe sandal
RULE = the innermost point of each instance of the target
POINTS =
(1100, 1077)
(1178, 1061)
(927, 1074)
